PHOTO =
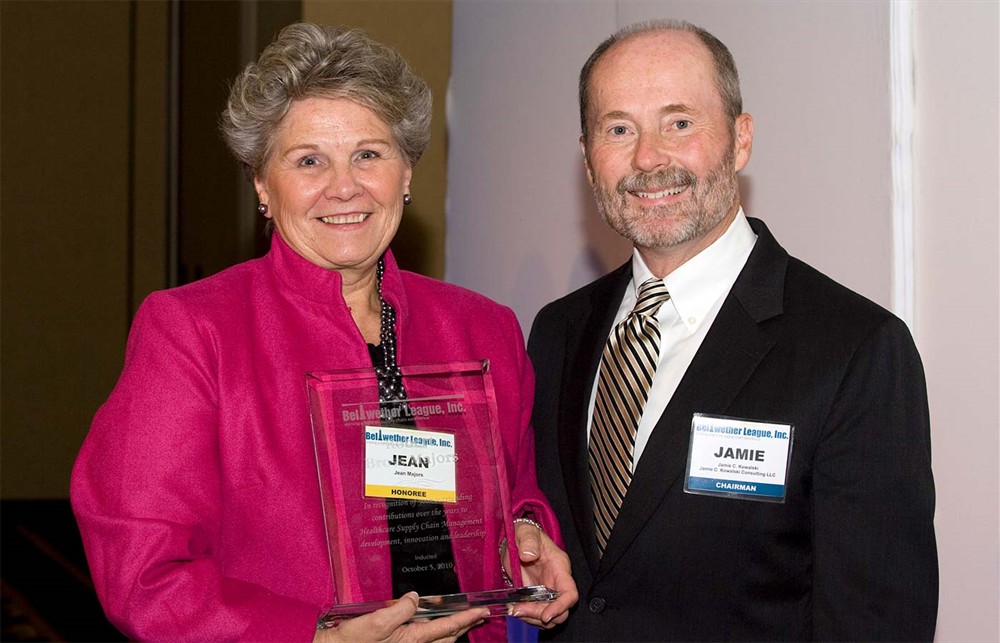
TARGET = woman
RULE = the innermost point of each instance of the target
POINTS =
(196, 489)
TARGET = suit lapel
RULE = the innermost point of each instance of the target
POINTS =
(585, 343)
(731, 351)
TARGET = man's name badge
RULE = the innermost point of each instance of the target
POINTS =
(738, 458)
(407, 464)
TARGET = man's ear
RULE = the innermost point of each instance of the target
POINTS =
(743, 140)
(586, 161)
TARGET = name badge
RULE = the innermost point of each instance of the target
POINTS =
(738, 458)
(407, 464)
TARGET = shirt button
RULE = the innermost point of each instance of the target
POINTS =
(692, 320)
(597, 605)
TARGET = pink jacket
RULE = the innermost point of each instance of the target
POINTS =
(196, 489)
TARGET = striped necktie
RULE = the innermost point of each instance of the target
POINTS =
(627, 368)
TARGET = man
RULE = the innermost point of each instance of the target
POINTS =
(774, 482)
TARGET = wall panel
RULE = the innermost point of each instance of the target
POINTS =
(64, 247)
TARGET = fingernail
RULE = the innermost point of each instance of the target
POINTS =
(529, 552)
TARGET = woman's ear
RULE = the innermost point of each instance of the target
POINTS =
(262, 197)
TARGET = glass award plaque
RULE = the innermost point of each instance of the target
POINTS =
(415, 492)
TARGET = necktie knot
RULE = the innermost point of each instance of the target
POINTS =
(652, 294)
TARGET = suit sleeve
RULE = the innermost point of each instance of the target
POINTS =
(146, 491)
(875, 573)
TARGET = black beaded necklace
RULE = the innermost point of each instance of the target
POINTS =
(390, 383)
(411, 561)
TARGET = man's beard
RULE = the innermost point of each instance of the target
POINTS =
(708, 203)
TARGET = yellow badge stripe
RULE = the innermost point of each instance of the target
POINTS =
(409, 493)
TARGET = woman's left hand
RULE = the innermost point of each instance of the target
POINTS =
(543, 563)
(392, 625)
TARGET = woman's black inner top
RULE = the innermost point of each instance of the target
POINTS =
(419, 541)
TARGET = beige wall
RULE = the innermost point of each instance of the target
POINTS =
(957, 291)
(421, 31)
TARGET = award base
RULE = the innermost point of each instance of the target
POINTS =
(497, 601)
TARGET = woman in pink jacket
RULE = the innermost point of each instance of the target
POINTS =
(196, 490)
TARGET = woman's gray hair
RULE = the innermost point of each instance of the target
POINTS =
(727, 78)
(308, 60)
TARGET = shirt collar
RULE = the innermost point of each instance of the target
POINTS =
(703, 280)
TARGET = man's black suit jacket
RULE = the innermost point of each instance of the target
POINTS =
(849, 555)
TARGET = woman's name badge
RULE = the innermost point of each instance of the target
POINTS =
(407, 464)
(738, 458)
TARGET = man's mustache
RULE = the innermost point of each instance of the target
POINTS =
(652, 181)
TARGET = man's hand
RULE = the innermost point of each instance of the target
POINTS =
(542, 563)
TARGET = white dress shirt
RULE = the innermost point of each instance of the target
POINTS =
(697, 289)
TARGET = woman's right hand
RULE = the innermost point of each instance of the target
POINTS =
(389, 624)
